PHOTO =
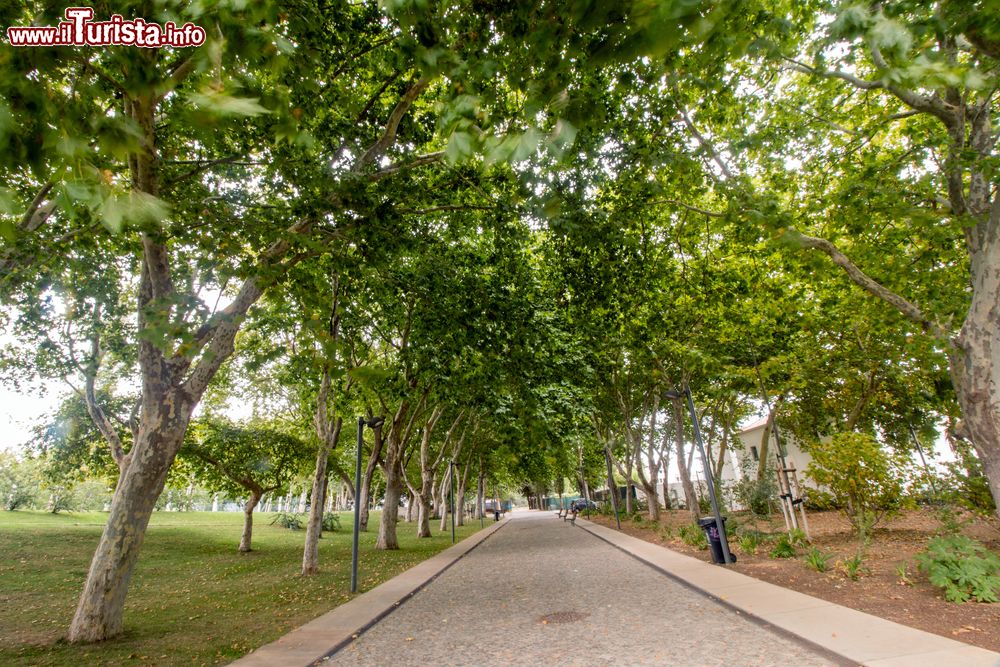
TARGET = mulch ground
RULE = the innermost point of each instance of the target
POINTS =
(880, 591)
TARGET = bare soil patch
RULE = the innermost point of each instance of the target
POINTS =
(880, 591)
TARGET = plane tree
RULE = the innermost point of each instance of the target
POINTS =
(247, 461)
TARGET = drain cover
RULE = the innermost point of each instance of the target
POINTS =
(563, 617)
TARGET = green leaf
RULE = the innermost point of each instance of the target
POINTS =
(226, 105)
(526, 145)
(370, 375)
(459, 147)
(133, 207)
(891, 36)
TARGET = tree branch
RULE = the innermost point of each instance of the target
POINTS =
(419, 161)
(436, 209)
(704, 143)
(392, 125)
(910, 310)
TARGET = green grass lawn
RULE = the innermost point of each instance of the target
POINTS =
(194, 599)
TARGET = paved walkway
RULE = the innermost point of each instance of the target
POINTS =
(542, 592)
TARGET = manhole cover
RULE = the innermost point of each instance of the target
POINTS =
(563, 617)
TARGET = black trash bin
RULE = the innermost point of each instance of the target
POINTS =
(707, 524)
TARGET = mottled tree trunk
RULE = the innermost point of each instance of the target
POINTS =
(690, 496)
(100, 611)
(481, 492)
(765, 443)
(443, 493)
(366, 480)
(975, 359)
(428, 469)
(460, 496)
(665, 462)
(390, 511)
(248, 508)
(411, 502)
(314, 526)
(424, 507)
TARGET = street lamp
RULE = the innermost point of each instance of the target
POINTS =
(612, 487)
(451, 474)
(372, 423)
(706, 468)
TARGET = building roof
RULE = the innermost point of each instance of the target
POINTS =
(754, 425)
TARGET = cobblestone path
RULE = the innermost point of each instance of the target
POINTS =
(543, 592)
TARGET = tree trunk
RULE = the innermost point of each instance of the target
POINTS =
(390, 510)
(366, 480)
(411, 502)
(975, 359)
(392, 466)
(428, 469)
(248, 508)
(765, 441)
(99, 613)
(314, 526)
(444, 493)
(690, 496)
(460, 496)
(649, 483)
(481, 492)
(665, 462)
(424, 507)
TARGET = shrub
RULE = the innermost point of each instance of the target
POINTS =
(61, 499)
(755, 495)
(818, 560)
(693, 536)
(331, 522)
(784, 547)
(853, 567)
(863, 476)
(286, 520)
(963, 567)
(820, 501)
(748, 543)
(797, 537)
(18, 497)
(91, 495)
(967, 486)
(19, 482)
(666, 532)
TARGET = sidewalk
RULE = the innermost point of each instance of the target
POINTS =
(859, 637)
(535, 590)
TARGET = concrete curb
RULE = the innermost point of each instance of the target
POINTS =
(336, 629)
(850, 634)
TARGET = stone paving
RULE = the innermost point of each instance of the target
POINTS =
(543, 592)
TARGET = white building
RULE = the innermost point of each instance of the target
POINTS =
(747, 459)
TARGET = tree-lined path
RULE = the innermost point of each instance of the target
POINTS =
(543, 592)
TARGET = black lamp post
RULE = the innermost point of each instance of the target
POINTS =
(451, 474)
(373, 423)
(710, 481)
(612, 487)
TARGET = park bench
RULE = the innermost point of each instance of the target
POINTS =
(568, 513)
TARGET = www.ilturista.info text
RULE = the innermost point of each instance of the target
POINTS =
(79, 30)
